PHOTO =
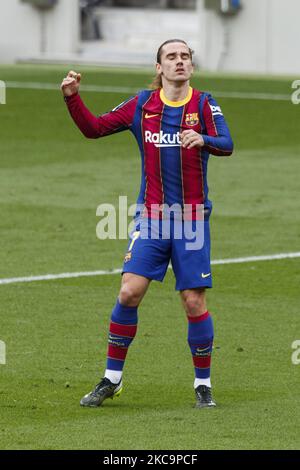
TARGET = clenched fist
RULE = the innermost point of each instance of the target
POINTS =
(71, 83)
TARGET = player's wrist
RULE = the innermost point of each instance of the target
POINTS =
(204, 140)
(68, 98)
(201, 141)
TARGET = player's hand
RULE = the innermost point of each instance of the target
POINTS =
(71, 83)
(190, 139)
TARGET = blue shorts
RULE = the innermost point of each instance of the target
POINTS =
(152, 247)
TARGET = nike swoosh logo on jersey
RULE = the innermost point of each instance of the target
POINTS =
(148, 116)
(205, 275)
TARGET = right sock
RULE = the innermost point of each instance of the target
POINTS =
(198, 382)
(122, 330)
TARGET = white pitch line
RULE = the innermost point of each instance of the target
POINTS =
(251, 96)
(128, 90)
(50, 277)
(256, 258)
(53, 86)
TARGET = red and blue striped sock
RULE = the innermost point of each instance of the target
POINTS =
(200, 339)
(122, 331)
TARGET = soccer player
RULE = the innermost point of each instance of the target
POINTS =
(176, 128)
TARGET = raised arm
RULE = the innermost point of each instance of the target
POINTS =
(93, 127)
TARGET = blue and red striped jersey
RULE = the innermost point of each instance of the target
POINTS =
(171, 174)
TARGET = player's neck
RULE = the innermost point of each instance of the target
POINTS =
(176, 91)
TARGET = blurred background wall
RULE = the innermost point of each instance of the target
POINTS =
(29, 32)
(256, 36)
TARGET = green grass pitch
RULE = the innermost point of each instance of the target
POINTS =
(51, 181)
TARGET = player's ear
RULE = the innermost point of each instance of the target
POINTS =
(158, 69)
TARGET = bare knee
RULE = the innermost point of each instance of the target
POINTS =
(194, 302)
(129, 296)
(133, 289)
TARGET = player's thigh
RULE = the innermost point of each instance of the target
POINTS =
(191, 261)
(147, 256)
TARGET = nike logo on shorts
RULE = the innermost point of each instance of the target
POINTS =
(204, 276)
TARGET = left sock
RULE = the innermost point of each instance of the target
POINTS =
(205, 382)
(200, 339)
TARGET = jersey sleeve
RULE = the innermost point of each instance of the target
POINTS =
(218, 140)
(93, 127)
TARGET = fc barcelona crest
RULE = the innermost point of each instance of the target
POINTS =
(192, 119)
